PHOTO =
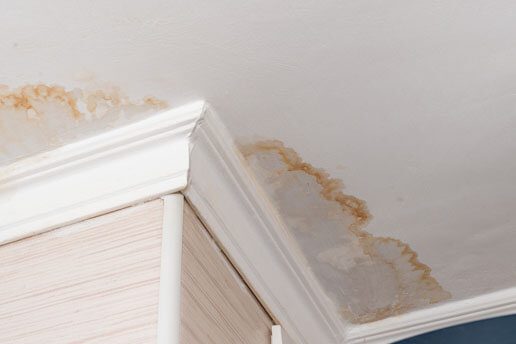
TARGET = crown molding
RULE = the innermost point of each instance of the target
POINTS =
(241, 218)
(106, 172)
(396, 328)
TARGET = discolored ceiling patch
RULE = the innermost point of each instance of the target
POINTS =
(368, 277)
(36, 117)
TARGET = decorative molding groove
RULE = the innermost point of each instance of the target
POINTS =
(247, 226)
(453, 313)
(124, 166)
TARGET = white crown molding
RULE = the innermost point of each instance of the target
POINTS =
(485, 306)
(239, 215)
(124, 166)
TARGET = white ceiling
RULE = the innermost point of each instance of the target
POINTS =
(412, 104)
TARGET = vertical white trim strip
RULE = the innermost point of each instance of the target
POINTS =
(169, 318)
(276, 337)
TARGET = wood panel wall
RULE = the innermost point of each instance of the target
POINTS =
(217, 307)
(98, 282)
(92, 282)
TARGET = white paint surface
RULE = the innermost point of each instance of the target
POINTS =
(416, 100)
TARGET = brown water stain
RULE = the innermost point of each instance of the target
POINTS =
(39, 117)
(26, 96)
(30, 97)
(371, 277)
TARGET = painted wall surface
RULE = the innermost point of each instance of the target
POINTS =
(411, 104)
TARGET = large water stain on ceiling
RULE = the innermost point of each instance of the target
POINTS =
(368, 276)
(39, 117)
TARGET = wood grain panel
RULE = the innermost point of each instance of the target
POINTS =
(92, 282)
(217, 307)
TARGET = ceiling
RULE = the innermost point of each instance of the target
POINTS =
(411, 104)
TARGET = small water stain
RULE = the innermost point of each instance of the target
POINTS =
(30, 98)
(369, 277)
(35, 117)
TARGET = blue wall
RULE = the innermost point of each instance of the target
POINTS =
(491, 331)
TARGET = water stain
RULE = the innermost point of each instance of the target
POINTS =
(31, 97)
(370, 277)
(36, 117)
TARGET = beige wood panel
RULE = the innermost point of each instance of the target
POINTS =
(92, 282)
(217, 307)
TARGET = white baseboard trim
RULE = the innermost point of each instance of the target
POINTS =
(124, 166)
(252, 234)
(449, 314)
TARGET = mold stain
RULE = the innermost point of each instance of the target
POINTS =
(369, 277)
(36, 117)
